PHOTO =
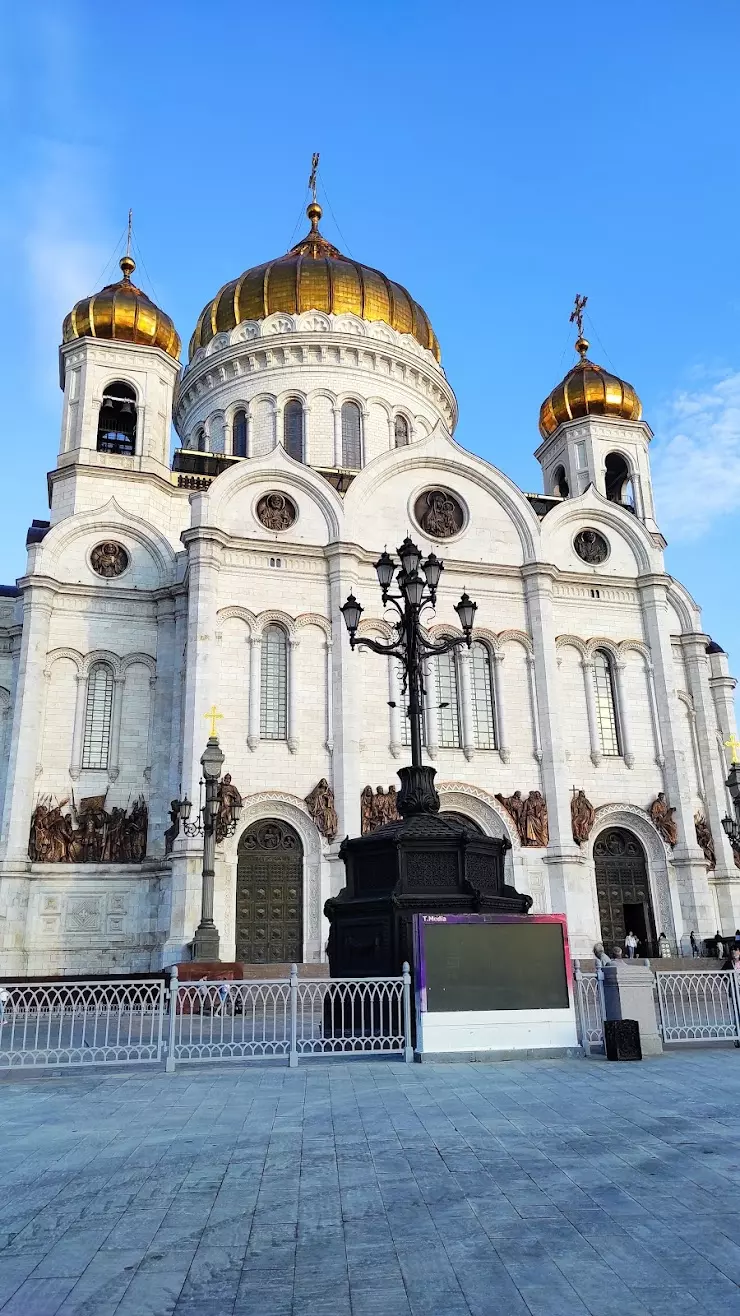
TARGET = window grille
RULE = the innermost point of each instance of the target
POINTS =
(484, 723)
(446, 686)
(274, 685)
(293, 430)
(401, 430)
(239, 434)
(98, 712)
(351, 436)
(606, 705)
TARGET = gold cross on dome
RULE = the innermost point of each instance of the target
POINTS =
(734, 744)
(215, 716)
(314, 169)
(576, 315)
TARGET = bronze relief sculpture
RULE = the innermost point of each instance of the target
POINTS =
(378, 809)
(662, 815)
(276, 511)
(100, 836)
(582, 815)
(704, 838)
(226, 797)
(530, 816)
(109, 559)
(439, 513)
(320, 805)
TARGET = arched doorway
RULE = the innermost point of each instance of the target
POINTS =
(623, 890)
(269, 894)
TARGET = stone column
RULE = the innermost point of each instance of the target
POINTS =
(255, 680)
(337, 414)
(466, 703)
(394, 698)
(726, 877)
(697, 905)
(430, 711)
(293, 700)
(25, 739)
(160, 720)
(499, 707)
(568, 875)
(623, 715)
(587, 668)
(346, 701)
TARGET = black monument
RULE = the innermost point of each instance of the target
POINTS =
(422, 863)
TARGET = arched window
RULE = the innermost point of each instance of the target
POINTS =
(447, 701)
(560, 486)
(117, 420)
(98, 712)
(293, 436)
(484, 722)
(351, 436)
(274, 685)
(606, 704)
(618, 482)
(202, 441)
(239, 434)
(401, 431)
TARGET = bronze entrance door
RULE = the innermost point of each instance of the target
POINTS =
(623, 891)
(269, 894)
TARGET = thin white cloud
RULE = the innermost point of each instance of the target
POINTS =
(696, 466)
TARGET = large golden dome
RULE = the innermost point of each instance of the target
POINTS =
(123, 312)
(313, 276)
(588, 390)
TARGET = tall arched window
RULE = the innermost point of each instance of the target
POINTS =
(293, 436)
(351, 436)
(447, 701)
(202, 440)
(560, 486)
(484, 722)
(274, 685)
(607, 717)
(117, 420)
(401, 431)
(618, 482)
(98, 713)
(239, 434)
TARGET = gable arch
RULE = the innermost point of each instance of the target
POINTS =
(275, 617)
(109, 521)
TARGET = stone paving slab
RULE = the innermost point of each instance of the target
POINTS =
(374, 1189)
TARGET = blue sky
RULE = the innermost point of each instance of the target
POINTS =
(493, 158)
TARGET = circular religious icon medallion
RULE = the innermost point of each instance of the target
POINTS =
(109, 559)
(591, 546)
(276, 511)
(439, 513)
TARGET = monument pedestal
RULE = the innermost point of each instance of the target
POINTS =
(629, 994)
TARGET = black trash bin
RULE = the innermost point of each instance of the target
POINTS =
(622, 1039)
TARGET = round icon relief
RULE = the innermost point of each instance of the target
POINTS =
(109, 559)
(439, 513)
(276, 511)
(591, 547)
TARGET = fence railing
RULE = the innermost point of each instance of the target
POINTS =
(279, 1018)
(82, 1023)
(699, 1007)
(590, 1009)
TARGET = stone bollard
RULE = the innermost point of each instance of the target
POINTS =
(629, 994)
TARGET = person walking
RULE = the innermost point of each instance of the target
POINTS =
(695, 947)
(630, 944)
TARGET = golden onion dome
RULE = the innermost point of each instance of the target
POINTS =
(123, 312)
(588, 390)
(313, 276)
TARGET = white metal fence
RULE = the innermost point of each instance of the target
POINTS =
(82, 1023)
(142, 1021)
(279, 1018)
(699, 1007)
(590, 1009)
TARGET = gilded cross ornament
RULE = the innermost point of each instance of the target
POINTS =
(314, 171)
(733, 744)
(576, 315)
(214, 716)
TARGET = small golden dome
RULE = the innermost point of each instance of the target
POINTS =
(123, 312)
(313, 276)
(588, 390)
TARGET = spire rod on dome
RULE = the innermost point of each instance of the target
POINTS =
(127, 262)
(576, 317)
(312, 177)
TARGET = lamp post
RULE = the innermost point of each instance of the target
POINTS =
(732, 825)
(211, 828)
(416, 583)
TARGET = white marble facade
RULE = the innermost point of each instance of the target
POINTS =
(182, 628)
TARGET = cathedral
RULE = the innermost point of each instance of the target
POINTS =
(315, 428)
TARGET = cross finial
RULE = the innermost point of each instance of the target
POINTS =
(733, 744)
(214, 716)
(128, 234)
(312, 178)
(576, 317)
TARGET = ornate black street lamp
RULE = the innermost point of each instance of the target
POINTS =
(417, 583)
(213, 823)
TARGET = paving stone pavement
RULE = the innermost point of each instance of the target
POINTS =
(374, 1189)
